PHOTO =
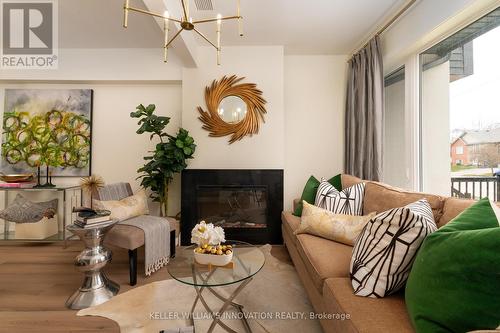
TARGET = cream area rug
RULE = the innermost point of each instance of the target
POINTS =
(274, 302)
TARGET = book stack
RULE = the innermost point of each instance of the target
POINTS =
(90, 218)
(18, 185)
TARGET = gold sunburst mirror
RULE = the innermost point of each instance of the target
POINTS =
(233, 108)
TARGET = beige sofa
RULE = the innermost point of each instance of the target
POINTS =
(323, 265)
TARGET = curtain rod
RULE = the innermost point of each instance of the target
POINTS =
(387, 25)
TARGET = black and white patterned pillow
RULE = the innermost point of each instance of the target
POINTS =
(349, 201)
(385, 250)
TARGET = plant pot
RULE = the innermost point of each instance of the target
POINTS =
(213, 259)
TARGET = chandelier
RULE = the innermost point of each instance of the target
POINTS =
(186, 22)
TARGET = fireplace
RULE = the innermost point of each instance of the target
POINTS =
(246, 203)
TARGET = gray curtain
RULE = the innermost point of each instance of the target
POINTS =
(364, 117)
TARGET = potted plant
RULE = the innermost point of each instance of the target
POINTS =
(168, 157)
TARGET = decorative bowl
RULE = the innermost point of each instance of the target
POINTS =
(213, 259)
(14, 178)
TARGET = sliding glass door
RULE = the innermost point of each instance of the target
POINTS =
(460, 112)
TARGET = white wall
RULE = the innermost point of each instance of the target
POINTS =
(260, 65)
(105, 64)
(435, 130)
(314, 120)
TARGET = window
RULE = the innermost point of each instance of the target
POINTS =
(459, 85)
(394, 132)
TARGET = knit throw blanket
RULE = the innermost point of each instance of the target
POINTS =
(156, 240)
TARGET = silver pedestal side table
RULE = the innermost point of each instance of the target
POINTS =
(96, 287)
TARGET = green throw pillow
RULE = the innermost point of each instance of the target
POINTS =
(309, 192)
(454, 285)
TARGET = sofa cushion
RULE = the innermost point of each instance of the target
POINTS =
(290, 224)
(459, 267)
(385, 250)
(323, 258)
(348, 201)
(452, 207)
(384, 315)
(341, 228)
(348, 180)
(380, 197)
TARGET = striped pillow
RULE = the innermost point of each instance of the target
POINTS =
(349, 201)
(384, 252)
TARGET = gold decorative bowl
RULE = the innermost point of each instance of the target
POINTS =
(15, 178)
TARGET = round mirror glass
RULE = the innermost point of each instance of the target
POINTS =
(232, 109)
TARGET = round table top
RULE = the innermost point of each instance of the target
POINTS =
(73, 228)
(247, 261)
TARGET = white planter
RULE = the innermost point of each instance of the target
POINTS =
(213, 259)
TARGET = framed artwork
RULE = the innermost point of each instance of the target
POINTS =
(47, 127)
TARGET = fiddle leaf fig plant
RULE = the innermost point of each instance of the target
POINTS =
(169, 157)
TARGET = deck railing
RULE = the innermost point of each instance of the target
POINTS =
(476, 187)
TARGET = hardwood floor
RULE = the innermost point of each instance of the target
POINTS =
(36, 280)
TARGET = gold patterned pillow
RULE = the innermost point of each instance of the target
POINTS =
(126, 208)
(337, 227)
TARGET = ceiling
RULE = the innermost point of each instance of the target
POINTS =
(303, 27)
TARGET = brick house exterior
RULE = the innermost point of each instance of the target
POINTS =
(479, 148)
(459, 152)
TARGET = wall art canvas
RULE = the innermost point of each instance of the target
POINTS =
(47, 127)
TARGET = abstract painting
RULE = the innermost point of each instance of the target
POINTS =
(47, 127)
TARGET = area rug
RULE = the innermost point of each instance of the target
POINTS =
(274, 302)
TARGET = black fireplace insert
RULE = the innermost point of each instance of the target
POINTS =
(246, 203)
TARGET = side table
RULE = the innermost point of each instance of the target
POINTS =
(96, 287)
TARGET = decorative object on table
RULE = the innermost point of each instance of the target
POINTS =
(157, 234)
(337, 227)
(49, 128)
(22, 210)
(90, 185)
(23, 185)
(96, 288)
(454, 283)
(209, 250)
(168, 158)
(277, 287)
(34, 220)
(232, 109)
(384, 252)
(90, 218)
(16, 178)
(186, 22)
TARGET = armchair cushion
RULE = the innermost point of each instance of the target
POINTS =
(125, 208)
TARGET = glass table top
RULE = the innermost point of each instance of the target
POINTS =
(247, 260)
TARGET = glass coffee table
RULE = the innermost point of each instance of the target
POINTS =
(248, 260)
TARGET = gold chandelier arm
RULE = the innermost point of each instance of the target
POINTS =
(205, 38)
(184, 10)
(175, 36)
(142, 11)
(215, 19)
